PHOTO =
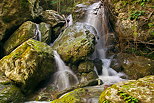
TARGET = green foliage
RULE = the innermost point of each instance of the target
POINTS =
(142, 2)
(127, 98)
(151, 25)
(53, 2)
(135, 14)
(106, 101)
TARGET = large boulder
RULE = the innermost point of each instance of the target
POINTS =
(132, 91)
(81, 95)
(134, 66)
(14, 12)
(28, 64)
(75, 43)
(26, 31)
(51, 17)
(9, 92)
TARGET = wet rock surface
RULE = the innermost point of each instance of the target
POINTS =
(140, 90)
(134, 66)
(13, 13)
(26, 63)
(75, 43)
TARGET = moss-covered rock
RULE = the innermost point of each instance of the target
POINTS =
(75, 43)
(132, 91)
(9, 92)
(51, 17)
(86, 67)
(45, 32)
(45, 94)
(28, 64)
(72, 97)
(86, 71)
(15, 12)
(26, 31)
(81, 95)
(134, 24)
(135, 66)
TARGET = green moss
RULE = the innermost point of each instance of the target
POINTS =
(135, 14)
(106, 101)
(10, 94)
(133, 91)
(127, 98)
(72, 97)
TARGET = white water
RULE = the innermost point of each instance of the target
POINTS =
(64, 77)
(70, 20)
(38, 35)
(96, 16)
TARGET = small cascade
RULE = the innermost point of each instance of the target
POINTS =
(69, 20)
(96, 16)
(38, 35)
(64, 77)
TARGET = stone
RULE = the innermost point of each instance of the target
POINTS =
(51, 17)
(14, 12)
(81, 95)
(86, 67)
(29, 64)
(9, 92)
(75, 43)
(135, 66)
(133, 91)
(26, 31)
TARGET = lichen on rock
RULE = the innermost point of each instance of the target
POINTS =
(75, 43)
(28, 64)
(140, 90)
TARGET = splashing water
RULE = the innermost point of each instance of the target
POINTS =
(96, 16)
(64, 77)
(70, 20)
(38, 35)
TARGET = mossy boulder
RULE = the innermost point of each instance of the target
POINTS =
(28, 64)
(86, 67)
(14, 13)
(75, 43)
(9, 92)
(51, 17)
(135, 66)
(72, 97)
(86, 71)
(26, 31)
(80, 95)
(132, 91)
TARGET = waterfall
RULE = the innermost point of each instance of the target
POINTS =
(70, 20)
(64, 77)
(96, 16)
(38, 35)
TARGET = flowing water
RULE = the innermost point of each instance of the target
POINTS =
(64, 77)
(38, 35)
(69, 20)
(96, 15)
